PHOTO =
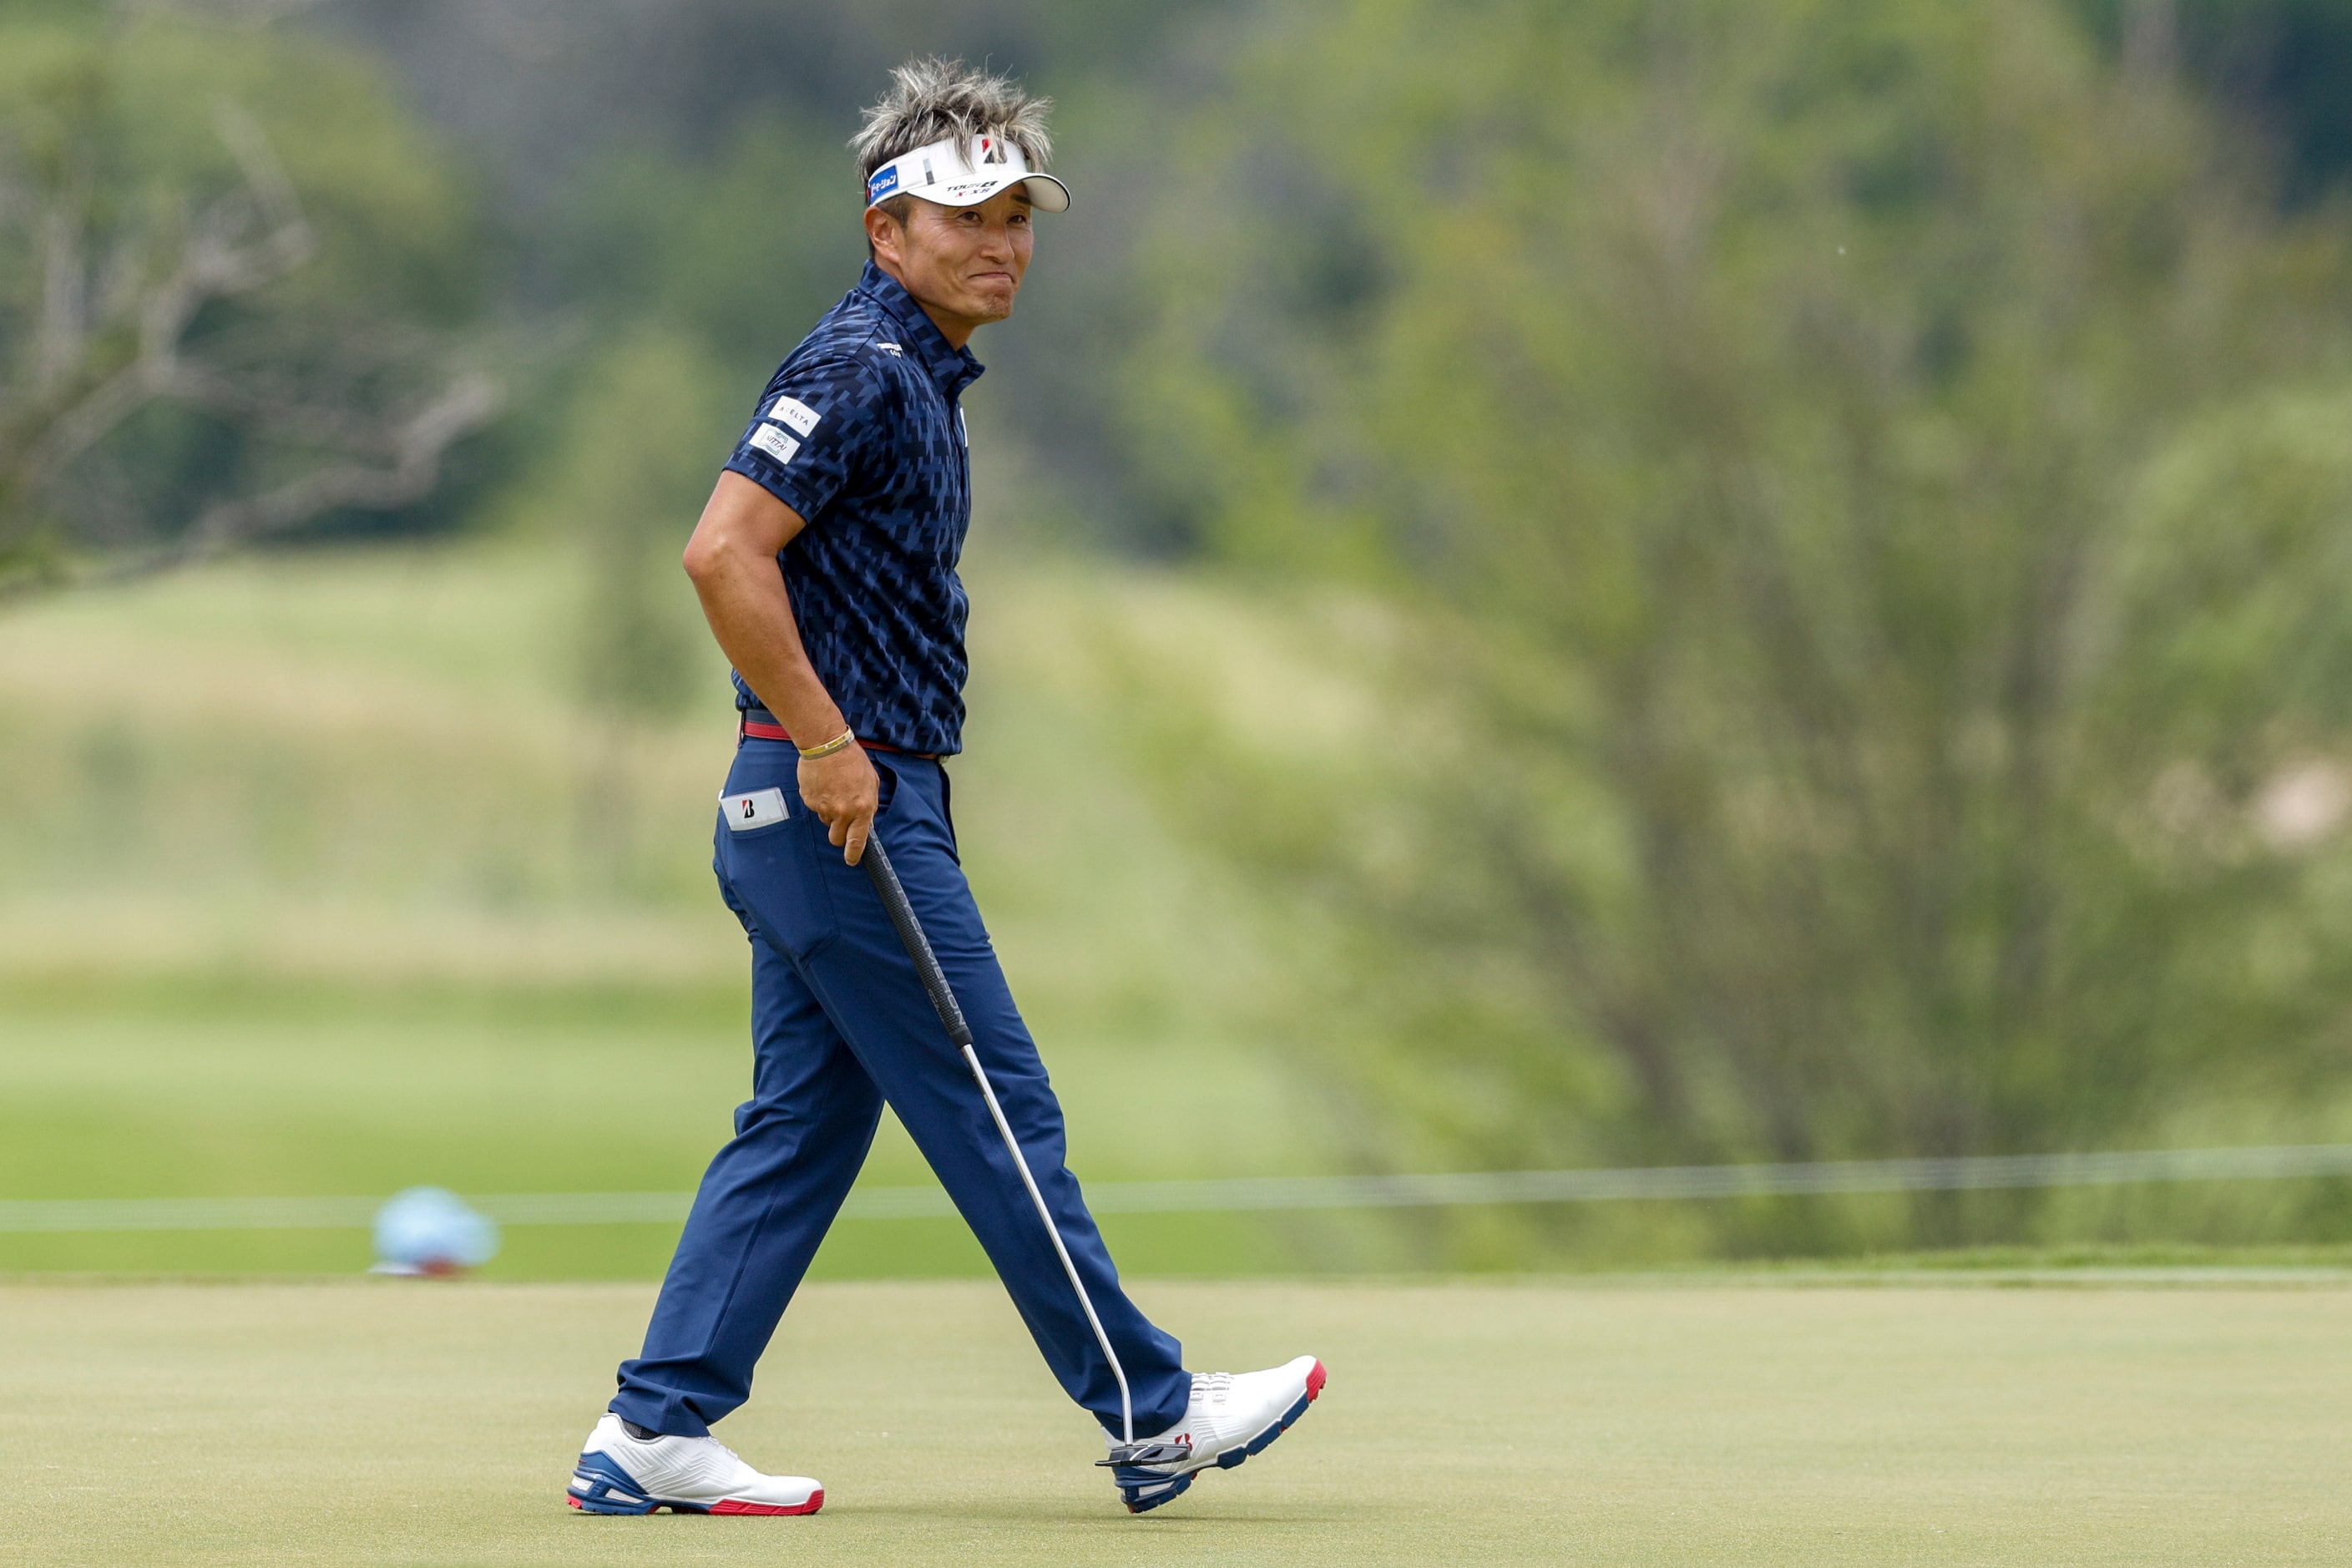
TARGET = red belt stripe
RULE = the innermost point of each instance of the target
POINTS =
(748, 727)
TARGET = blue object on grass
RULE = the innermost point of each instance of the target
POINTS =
(429, 1230)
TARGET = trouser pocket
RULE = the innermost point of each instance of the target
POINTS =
(772, 870)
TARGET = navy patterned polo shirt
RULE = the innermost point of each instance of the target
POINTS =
(860, 432)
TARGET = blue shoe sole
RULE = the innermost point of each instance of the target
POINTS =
(1131, 1482)
(600, 1486)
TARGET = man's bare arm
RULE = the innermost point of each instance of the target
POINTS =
(732, 560)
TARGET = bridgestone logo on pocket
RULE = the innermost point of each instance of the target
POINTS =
(756, 808)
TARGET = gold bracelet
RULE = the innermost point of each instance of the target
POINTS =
(838, 744)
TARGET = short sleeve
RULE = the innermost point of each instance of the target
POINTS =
(811, 431)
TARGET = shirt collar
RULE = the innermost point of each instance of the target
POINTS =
(953, 368)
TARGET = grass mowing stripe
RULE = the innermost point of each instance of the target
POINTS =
(1238, 1194)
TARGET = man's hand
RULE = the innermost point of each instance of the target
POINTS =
(845, 791)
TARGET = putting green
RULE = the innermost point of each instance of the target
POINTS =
(1635, 1422)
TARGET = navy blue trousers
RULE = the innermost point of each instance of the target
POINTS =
(840, 1024)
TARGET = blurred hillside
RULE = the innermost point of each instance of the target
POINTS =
(319, 877)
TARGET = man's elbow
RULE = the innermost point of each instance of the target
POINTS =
(740, 528)
(706, 556)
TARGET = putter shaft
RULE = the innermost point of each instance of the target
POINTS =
(934, 982)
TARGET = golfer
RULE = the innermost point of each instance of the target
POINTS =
(825, 561)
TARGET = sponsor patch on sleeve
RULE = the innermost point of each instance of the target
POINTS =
(775, 443)
(791, 411)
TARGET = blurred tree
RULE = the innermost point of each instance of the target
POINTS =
(625, 481)
(689, 159)
(227, 263)
(548, 88)
(744, 250)
(2282, 65)
(622, 472)
(1871, 483)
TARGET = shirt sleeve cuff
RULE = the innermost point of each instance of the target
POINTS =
(773, 479)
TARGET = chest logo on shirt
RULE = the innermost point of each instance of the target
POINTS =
(756, 808)
(775, 443)
(791, 411)
(893, 350)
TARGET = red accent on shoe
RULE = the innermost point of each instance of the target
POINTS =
(815, 1501)
(572, 1501)
(1314, 1380)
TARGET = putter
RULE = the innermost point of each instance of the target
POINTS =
(935, 981)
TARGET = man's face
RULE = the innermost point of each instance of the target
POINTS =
(962, 265)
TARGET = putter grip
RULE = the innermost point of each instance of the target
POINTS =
(876, 861)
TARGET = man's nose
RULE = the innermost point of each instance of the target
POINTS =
(996, 242)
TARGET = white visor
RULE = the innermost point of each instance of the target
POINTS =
(957, 175)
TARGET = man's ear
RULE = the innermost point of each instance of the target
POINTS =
(885, 236)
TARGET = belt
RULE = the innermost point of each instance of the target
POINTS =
(758, 724)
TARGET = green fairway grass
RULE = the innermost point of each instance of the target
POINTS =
(1723, 1421)
(282, 1090)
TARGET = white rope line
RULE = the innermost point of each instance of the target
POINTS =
(1244, 1193)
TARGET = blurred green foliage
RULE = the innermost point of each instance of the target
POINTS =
(1868, 490)
(2279, 64)
(232, 257)
(625, 477)
(745, 251)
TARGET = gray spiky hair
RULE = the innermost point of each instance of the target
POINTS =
(931, 99)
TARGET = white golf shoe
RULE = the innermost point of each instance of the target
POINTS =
(621, 1474)
(1230, 1417)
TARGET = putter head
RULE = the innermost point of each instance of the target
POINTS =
(1149, 1453)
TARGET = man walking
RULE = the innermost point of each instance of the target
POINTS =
(826, 563)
